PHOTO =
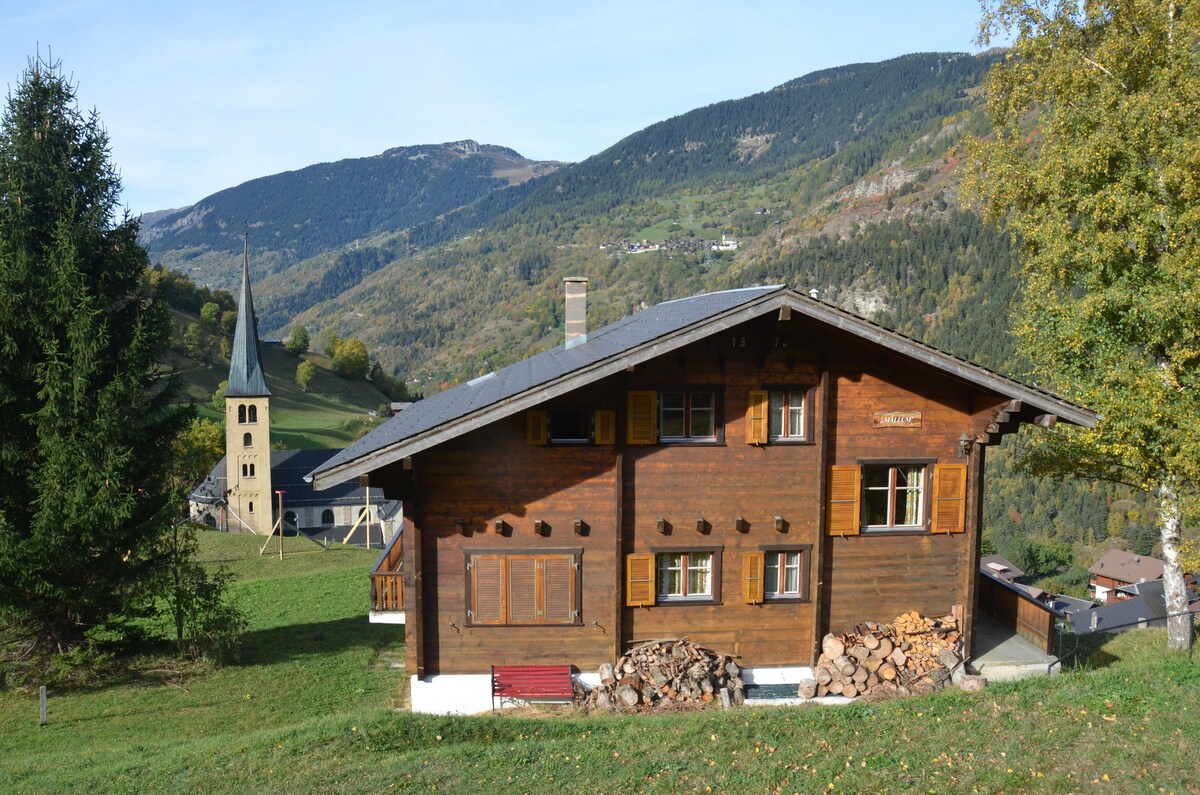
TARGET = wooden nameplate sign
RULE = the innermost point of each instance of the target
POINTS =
(896, 419)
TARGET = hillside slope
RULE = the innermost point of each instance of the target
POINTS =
(298, 214)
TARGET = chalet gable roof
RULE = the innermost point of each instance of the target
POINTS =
(1117, 564)
(631, 341)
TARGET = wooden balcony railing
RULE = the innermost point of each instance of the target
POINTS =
(387, 591)
(387, 587)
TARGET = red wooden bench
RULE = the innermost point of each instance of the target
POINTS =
(528, 682)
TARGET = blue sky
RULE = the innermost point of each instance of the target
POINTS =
(201, 96)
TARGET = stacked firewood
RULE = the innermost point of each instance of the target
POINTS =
(665, 673)
(912, 655)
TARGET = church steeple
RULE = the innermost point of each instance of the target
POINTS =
(248, 423)
(245, 364)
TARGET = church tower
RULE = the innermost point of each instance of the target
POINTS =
(248, 423)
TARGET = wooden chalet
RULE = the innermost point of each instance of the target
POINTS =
(749, 469)
(1118, 568)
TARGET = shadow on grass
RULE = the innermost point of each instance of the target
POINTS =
(296, 641)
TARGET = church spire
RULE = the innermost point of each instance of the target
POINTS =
(245, 367)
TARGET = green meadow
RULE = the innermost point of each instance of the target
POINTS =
(308, 709)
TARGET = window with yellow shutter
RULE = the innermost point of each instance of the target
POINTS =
(531, 588)
(949, 498)
(641, 421)
(786, 572)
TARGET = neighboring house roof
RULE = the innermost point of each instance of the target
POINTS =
(289, 469)
(1000, 568)
(245, 364)
(1148, 607)
(1117, 564)
(1071, 604)
(628, 342)
(1118, 616)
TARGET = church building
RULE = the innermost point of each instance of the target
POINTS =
(256, 489)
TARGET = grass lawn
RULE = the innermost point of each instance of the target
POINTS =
(306, 711)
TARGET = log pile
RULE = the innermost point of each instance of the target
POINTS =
(665, 673)
(913, 655)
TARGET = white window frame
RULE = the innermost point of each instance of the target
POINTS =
(684, 563)
(894, 493)
(787, 421)
(688, 413)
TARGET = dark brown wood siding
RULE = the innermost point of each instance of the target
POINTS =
(624, 493)
(491, 475)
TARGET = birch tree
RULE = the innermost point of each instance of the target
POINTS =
(1094, 166)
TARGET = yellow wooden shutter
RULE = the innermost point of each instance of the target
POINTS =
(535, 426)
(639, 580)
(487, 590)
(606, 426)
(949, 498)
(845, 490)
(757, 427)
(752, 577)
(523, 603)
(558, 589)
(641, 425)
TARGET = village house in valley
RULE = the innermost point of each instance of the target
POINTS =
(750, 469)
(1118, 568)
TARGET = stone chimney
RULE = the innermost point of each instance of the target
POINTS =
(576, 310)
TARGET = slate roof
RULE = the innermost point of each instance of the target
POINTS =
(1148, 607)
(1072, 604)
(289, 469)
(245, 364)
(628, 342)
(1117, 564)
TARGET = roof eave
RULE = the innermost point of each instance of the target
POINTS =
(822, 312)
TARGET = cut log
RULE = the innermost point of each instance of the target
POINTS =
(627, 695)
(844, 665)
(807, 689)
(832, 647)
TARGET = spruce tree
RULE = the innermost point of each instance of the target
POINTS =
(85, 411)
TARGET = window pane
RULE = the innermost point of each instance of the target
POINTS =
(775, 412)
(875, 507)
(670, 574)
(875, 477)
(771, 573)
(568, 426)
(791, 570)
(703, 415)
(908, 494)
(671, 414)
(796, 414)
(699, 573)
